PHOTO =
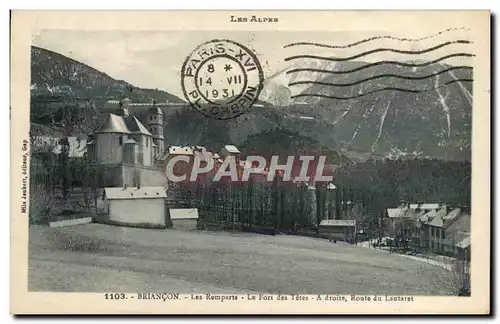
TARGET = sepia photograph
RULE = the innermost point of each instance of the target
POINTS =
(239, 165)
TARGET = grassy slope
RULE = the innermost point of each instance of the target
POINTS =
(102, 258)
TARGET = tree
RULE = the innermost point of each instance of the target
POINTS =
(64, 165)
(455, 279)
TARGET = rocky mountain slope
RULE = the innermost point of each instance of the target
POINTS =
(435, 123)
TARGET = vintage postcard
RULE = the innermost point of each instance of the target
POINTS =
(250, 162)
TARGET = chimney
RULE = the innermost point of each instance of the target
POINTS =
(125, 186)
(448, 209)
(123, 110)
(125, 102)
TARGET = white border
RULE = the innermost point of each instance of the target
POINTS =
(188, 4)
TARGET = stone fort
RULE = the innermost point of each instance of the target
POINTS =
(129, 148)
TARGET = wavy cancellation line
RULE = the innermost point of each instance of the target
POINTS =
(378, 50)
(387, 75)
(380, 90)
(403, 64)
(374, 38)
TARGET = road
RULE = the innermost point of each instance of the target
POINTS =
(435, 260)
(100, 258)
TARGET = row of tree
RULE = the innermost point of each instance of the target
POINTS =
(384, 183)
(59, 183)
(364, 192)
(278, 205)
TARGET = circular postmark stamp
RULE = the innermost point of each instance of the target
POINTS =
(222, 79)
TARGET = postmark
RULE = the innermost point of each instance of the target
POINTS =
(387, 106)
(222, 79)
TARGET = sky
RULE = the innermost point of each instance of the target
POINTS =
(152, 59)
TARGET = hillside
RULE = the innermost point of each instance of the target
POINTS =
(284, 142)
(131, 260)
(56, 74)
(435, 123)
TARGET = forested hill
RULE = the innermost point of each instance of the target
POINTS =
(385, 183)
(434, 124)
(283, 142)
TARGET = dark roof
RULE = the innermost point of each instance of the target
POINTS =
(131, 141)
(155, 110)
(125, 125)
(135, 126)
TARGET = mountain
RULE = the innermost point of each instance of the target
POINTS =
(283, 142)
(187, 126)
(435, 123)
(393, 124)
(53, 74)
(276, 90)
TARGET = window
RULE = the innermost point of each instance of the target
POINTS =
(147, 142)
(442, 234)
(155, 117)
(120, 140)
(150, 117)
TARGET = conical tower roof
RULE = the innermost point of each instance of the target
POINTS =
(155, 110)
(135, 126)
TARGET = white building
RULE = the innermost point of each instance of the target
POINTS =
(173, 151)
(184, 218)
(133, 206)
(339, 229)
(229, 150)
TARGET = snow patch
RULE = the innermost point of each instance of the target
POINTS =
(382, 119)
(446, 109)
